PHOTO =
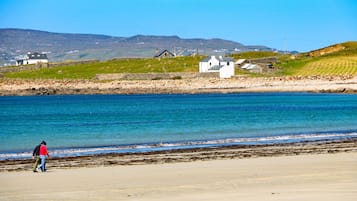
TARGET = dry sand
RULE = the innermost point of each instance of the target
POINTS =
(327, 177)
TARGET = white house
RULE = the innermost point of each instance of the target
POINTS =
(223, 65)
(32, 58)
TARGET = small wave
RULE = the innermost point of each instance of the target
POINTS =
(66, 152)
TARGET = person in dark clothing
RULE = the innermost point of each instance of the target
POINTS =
(36, 156)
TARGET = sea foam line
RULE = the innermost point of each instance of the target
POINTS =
(181, 145)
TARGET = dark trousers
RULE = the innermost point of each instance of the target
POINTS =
(37, 162)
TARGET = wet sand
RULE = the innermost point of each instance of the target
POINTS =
(188, 155)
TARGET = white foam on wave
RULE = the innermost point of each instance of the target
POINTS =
(181, 145)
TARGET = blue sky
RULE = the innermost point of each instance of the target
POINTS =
(300, 25)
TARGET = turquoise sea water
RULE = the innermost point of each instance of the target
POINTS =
(92, 124)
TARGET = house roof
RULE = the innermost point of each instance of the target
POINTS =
(249, 66)
(162, 52)
(226, 59)
(221, 59)
(206, 59)
(240, 61)
(36, 55)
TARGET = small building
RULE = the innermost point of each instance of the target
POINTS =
(258, 65)
(164, 54)
(253, 68)
(223, 65)
(32, 58)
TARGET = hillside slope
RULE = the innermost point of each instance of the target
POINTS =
(338, 59)
(63, 46)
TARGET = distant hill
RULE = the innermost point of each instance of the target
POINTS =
(64, 46)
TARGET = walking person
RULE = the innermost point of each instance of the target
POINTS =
(43, 155)
(36, 156)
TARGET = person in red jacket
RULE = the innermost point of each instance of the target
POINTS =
(43, 155)
(36, 156)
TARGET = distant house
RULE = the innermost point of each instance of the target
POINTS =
(223, 65)
(164, 54)
(32, 58)
(258, 65)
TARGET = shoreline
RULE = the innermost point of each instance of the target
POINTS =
(188, 155)
(177, 146)
(23, 87)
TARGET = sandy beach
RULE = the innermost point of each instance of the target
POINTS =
(300, 171)
(307, 177)
(339, 84)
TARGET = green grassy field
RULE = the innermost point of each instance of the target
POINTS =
(89, 71)
(340, 65)
(253, 55)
